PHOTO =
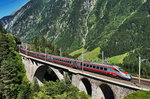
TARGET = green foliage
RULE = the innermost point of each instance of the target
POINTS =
(117, 59)
(12, 71)
(59, 89)
(41, 45)
(35, 85)
(25, 91)
(132, 33)
(130, 63)
(139, 95)
(92, 55)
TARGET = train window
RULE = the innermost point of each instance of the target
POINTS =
(93, 66)
(90, 66)
(97, 67)
(116, 70)
(84, 64)
(101, 68)
(87, 65)
(105, 69)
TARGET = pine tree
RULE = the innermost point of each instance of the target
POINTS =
(7, 78)
(4, 47)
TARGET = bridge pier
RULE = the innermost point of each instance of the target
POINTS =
(101, 89)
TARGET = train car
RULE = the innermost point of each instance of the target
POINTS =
(89, 66)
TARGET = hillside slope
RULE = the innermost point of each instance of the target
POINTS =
(116, 26)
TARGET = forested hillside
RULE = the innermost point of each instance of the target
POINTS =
(13, 81)
(116, 27)
(12, 72)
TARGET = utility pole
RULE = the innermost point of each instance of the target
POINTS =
(26, 48)
(140, 60)
(45, 54)
(19, 48)
(60, 51)
(102, 57)
(139, 68)
(39, 49)
(82, 60)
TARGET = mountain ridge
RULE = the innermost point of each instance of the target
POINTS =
(73, 24)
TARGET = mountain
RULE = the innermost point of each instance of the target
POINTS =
(116, 26)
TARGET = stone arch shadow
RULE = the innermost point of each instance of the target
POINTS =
(85, 86)
(45, 73)
(107, 91)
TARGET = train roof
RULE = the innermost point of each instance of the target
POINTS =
(83, 61)
(86, 61)
(100, 64)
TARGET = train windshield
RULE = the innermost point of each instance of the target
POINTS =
(121, 69)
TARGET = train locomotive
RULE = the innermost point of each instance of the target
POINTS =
(78, 64)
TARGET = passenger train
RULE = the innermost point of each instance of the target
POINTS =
(89, 66)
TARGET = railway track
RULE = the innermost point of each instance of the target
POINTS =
(144, 83)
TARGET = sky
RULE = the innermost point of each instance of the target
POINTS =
(7, 7)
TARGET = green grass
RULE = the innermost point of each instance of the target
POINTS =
(117, 59)
(78, 52)
(139, 95)
(91, 56)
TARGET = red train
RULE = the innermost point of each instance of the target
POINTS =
(90, 66)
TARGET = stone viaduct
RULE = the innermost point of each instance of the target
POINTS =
(97, 87)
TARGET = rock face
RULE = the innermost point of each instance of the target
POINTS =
(72, 24)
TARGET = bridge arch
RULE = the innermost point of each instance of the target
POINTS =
(85, 85)
(47, 73)
(107, 91)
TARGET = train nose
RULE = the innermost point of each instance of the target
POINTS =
(129, 77)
